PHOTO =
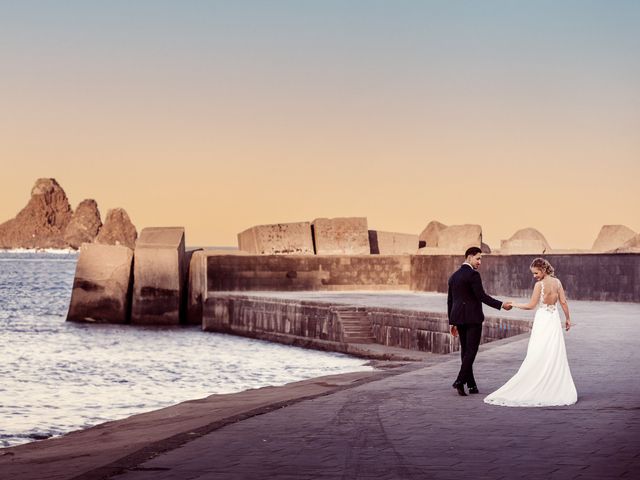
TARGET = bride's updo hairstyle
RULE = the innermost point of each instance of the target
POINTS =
(544, 265)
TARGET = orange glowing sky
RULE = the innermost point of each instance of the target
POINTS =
(222, 115)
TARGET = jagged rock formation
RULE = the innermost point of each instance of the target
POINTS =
(525, 241)
(612, 237)
(117, 229)
(48, 221)
(42, 222)
(84, 225)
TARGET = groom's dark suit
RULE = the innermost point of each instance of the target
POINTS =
(464, 308)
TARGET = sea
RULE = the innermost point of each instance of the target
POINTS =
(58, 376)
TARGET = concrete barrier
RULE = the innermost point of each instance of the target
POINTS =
(102, 284)
(429, 236)
(306, 272)
(610, 277)
(277, 239)
(429, 331)
(612, 237)
(392, 243)
(459, 237)
(525, 241)
(600, 277)
(196, 287)
(278, 319)
(254, 316)
(159, 276)
(341, 236)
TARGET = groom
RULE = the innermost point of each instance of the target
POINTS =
(464, 309)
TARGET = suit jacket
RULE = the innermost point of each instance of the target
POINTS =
(466, 296)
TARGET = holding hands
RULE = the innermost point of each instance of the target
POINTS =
(510, 305)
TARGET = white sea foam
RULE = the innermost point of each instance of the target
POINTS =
(54, 251)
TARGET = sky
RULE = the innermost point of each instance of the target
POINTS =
(221, 115)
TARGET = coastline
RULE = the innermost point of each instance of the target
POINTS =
(108, 448)
(104, 450)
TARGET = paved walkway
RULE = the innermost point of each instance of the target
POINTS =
(413, 425)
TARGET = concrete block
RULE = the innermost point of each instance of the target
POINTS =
(277, 239)
(159, 276)
(612, 237)
(430, 234)
(196, 286)
(437, 251)
(525, 241)
(101, 287)
(630, 246)
(339, 236)
(457, 238)
(391, 243)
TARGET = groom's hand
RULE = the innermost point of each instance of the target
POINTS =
(507, 306)
(454, 330)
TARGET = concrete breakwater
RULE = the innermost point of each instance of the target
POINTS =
(161, 283)
(611, 277)
(599, 277)
(265, 316)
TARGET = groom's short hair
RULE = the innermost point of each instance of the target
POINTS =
(472, 251)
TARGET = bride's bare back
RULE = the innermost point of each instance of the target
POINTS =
(548, 291)
(551, 290)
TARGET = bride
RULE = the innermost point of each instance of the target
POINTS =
(544, 378)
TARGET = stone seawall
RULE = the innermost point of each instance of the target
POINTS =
(600, 277)
(429, 331)
(171, 285)
(303, 272)
(250, 316)
(263, 316)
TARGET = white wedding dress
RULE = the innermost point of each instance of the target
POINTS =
(544, 378)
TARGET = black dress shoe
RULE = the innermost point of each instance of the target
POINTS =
(459, 386)
(474, 390)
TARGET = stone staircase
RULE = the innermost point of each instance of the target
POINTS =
(355, 324)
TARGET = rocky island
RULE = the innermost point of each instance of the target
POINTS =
(48, 221)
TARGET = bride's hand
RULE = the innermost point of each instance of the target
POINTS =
(568, 326)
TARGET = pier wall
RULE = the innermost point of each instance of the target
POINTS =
(252, 316)
(597, 277)
(281, 320)
(303, 272)
(429, 331)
